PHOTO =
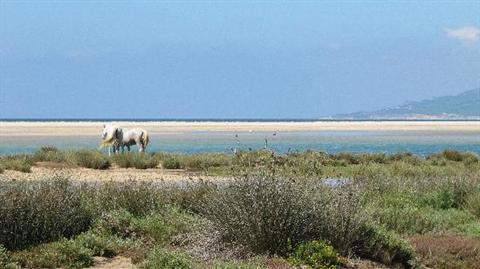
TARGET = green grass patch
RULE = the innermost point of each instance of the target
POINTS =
(63, 253)
(167, 259)
(22, 163)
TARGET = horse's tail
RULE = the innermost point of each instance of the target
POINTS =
(146, 138)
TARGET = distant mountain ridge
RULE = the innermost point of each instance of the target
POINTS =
(465, 105)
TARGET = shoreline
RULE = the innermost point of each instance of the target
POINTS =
(54, 128)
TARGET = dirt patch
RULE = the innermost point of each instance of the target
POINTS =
(117, 262)
(54, 165)
(447, 251)
(365, 264)
(48, 170)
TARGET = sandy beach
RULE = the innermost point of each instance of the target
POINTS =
(93, 128)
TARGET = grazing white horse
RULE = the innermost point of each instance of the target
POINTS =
(115, 138)
(136, 136)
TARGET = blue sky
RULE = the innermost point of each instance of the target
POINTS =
(245, 59)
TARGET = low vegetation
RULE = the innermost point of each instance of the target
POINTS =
(21, 163)
(36, 212)
(82, 158)
(196, 162)
(316, 255)
(447, 251)
(135, 160)
(303, 209)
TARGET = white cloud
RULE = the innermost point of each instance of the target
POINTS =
(467, 34)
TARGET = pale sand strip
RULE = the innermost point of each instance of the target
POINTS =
(112, 174)
(94, 128)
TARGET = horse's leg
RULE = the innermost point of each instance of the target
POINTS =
(128, 148)
(140, 145)
(109, 151)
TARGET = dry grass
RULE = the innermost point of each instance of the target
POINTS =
(447, 251)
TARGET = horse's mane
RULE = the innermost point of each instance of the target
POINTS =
(107, 143)
(110, 139)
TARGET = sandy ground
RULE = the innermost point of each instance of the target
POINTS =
(93, 128)
(117, 262)
(112, 174)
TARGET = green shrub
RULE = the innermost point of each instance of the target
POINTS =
(172, 163)
(405, 157)
(380, 245)
(137, 197)
(35, 212)
(405, 218)
(90, 159)
(351, 158)
(3, 255)
(5, 260)
(116, 223)
(99, 244)
(347, 158)
(162, 258)
(316, 255)
(472, 203)
(162, 226)
(237, 265)
(50, 154)
(63, 253)
(467, 158)
(19, 163)
(308, 163)
(136, 160)
(158, 227)
(469, 229)
(260, 158)
(83, 158)
(74, 255)
(264, 213)
(444, 220)
(205, 161)
(261, 214)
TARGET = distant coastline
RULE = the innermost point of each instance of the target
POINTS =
(219, 120)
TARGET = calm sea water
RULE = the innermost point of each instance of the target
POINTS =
(421, 143)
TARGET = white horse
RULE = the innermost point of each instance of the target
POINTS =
(112, 137)
(136, 136)
(115, 138)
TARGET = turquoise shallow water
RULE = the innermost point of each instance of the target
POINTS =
(421, 143)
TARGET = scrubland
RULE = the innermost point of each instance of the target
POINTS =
(303, 209)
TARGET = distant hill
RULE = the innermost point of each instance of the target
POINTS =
(463, 106)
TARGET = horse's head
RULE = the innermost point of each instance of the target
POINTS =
(105, 131)
(110, 132)
(111, 135)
